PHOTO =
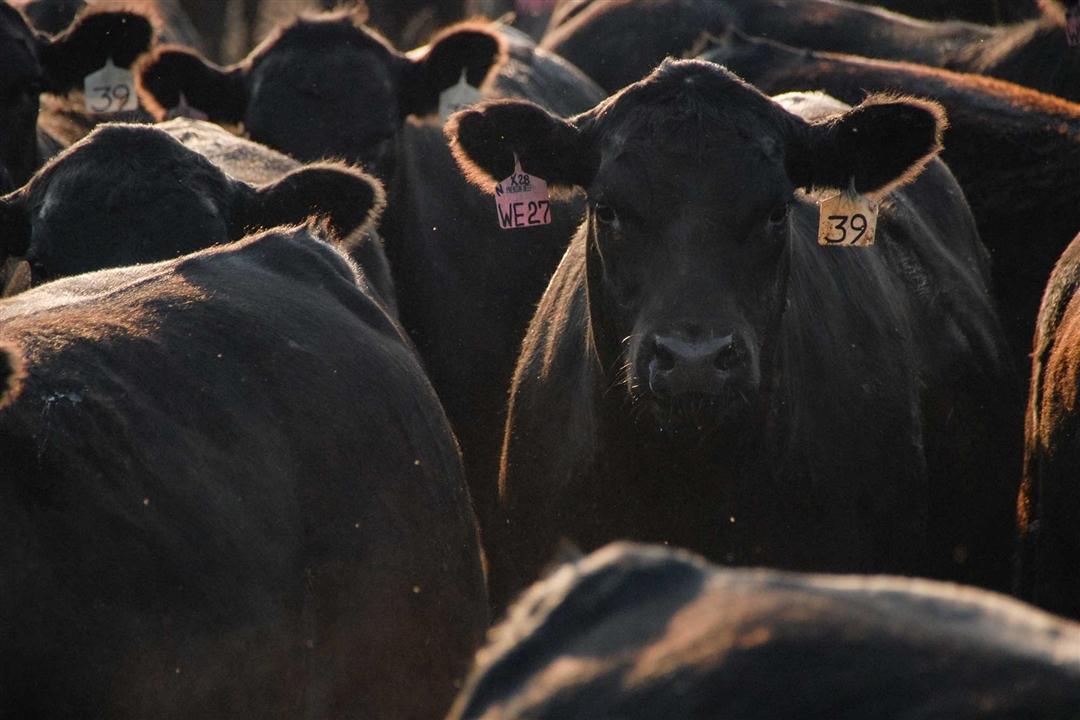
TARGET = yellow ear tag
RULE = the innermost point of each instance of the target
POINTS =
(847, 219)
(110, 89)
(457, 97)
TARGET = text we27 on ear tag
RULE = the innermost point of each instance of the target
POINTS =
(457, 97)
(110, 89)
(522, 200)
(847, 219)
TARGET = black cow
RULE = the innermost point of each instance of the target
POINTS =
(1015, 153)
(644, 633)
(32, 63)
(1033, 53)
(701, 372)
(229, 489)
(619, 41)
(611, 39)
(130, 194)
(1049, 506)
(325, 87)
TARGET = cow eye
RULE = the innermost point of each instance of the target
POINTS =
(605, 213)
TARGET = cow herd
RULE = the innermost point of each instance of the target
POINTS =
(315, 364)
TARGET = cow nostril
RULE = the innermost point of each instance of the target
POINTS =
(664, 359)
(727, 358)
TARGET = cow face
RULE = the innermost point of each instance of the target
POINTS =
(322, 87)
(693, 181)
(31, 64)
(130, 194)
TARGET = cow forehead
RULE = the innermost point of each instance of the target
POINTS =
(116, 157)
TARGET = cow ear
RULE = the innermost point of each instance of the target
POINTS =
(879, 145)
(486, 138)
(11, 373)
(342, 195)
(474, 50)
(173, 76)
(92, 40)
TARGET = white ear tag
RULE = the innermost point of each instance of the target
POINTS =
(521, 200)
(457, 97)
(847, 219)
(110, 89)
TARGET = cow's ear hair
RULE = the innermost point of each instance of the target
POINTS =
(470, 48)
(879, 145)
(345, 197)
(172, 71)
(485, 139)
(11, 373)
(94, 38)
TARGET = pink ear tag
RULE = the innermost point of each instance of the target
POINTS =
(522, 200)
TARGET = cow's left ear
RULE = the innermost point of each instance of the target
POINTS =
(473, 49)
(346, 197)
(879, 145)
(485, 139)
(94, 38)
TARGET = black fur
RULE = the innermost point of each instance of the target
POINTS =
(227, 486)
(643, 633)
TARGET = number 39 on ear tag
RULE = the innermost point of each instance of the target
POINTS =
(110, 89)
(522, 200)
(847, 219)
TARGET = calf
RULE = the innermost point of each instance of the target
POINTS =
(701, 372)
(131, 194)
(1014, 152)
(466, 288)
(640, 633)
(1049, 505)
(229, 489)
(32, 63)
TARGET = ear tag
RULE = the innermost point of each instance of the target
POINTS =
(110, 89)
(847, 219)
(457, 97)
(522, 200)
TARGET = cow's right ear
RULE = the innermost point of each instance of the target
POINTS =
(343, 195)
(173, 71)
(93, 39)
(485, 140)
(11, 373)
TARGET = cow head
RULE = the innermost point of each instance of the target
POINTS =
(693, 182)
(322, 87)
(130, 194)
(32, 63)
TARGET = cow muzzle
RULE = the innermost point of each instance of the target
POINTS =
(713, 366)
